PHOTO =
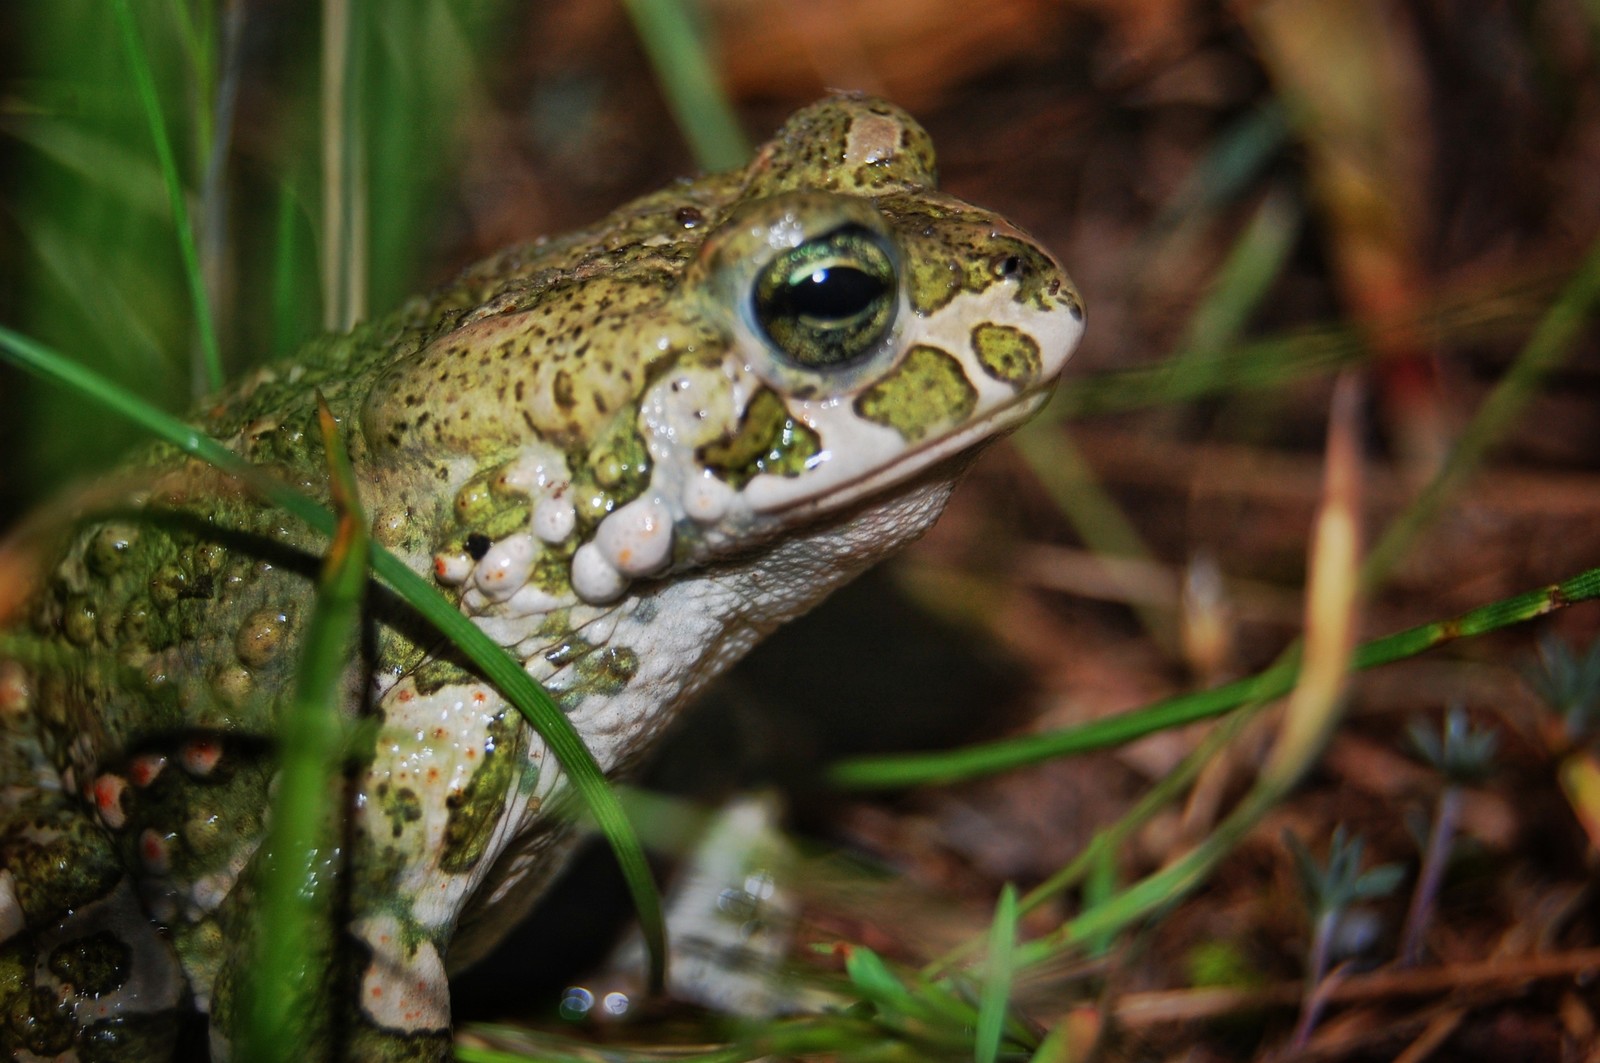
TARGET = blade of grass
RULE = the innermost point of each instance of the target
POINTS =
(199, 48)
(1252, 265)
(918, 769)
(208, 376)
(423, 71)
(291, 322)
(1254, 262)
(667, 29)
(293, 892)
(1233, 162)
(343, 202)
(1110, 839)
(876, 983)
(1066, 477)
(217, 83)
(1242, 151)
(996, 994)
(1284, 359)
(1254, 366)
(496, 665)
(1553, 339)
(123, 176)
(1332, 601)
(115, 323)
(1310, 716)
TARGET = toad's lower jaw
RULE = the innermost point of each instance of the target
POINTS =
(774, 496)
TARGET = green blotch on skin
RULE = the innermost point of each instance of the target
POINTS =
(768, 441)
(388, 1046)
(613, 473)
(552, 569)
(76, 866)
(39, 1024)
(932, 282)
(436, 673)
(935, 277)
(927, 390)
(152, 1035)
(401, 805)
(603, 671)
(485, 505)
(476, 808)
(96, 964)
(608, 671)
(1007, 354)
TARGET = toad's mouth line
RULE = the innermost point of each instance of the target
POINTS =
(925, 455)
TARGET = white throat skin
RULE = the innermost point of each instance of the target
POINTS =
(685, 632)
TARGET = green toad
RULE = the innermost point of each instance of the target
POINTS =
(628, 453)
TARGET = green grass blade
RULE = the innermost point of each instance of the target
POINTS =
(687, 76)
(344, 260)
(918, 769)
(996, 994)
(124, 177)
(114, 322)
(1112, 839)
(426, 66)
(1552, 341)
(876, 983)
(1255, 366)
(292, 324)
(144, 81)
(1060, 468)
(1253, 264)
(300, 834)
(496, 665)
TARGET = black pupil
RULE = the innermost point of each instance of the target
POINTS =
(835, 293)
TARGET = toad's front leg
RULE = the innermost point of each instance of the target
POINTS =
(431, 811)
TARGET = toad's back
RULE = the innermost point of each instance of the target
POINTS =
(627, 454)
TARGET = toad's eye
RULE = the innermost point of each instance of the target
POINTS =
(829, 302)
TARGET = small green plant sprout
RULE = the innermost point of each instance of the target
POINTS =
(1331, 893)
(1569, 685)
(1464, 756)
(948, 1018)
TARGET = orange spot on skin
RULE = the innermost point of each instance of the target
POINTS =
(153, 849)
(433, 774)
(479, 697)
(405, 696)
(440, 733)
(143, 770)
(107, 797)
(438, 567)
(201, 755)
(377, 991)
(471, 752)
